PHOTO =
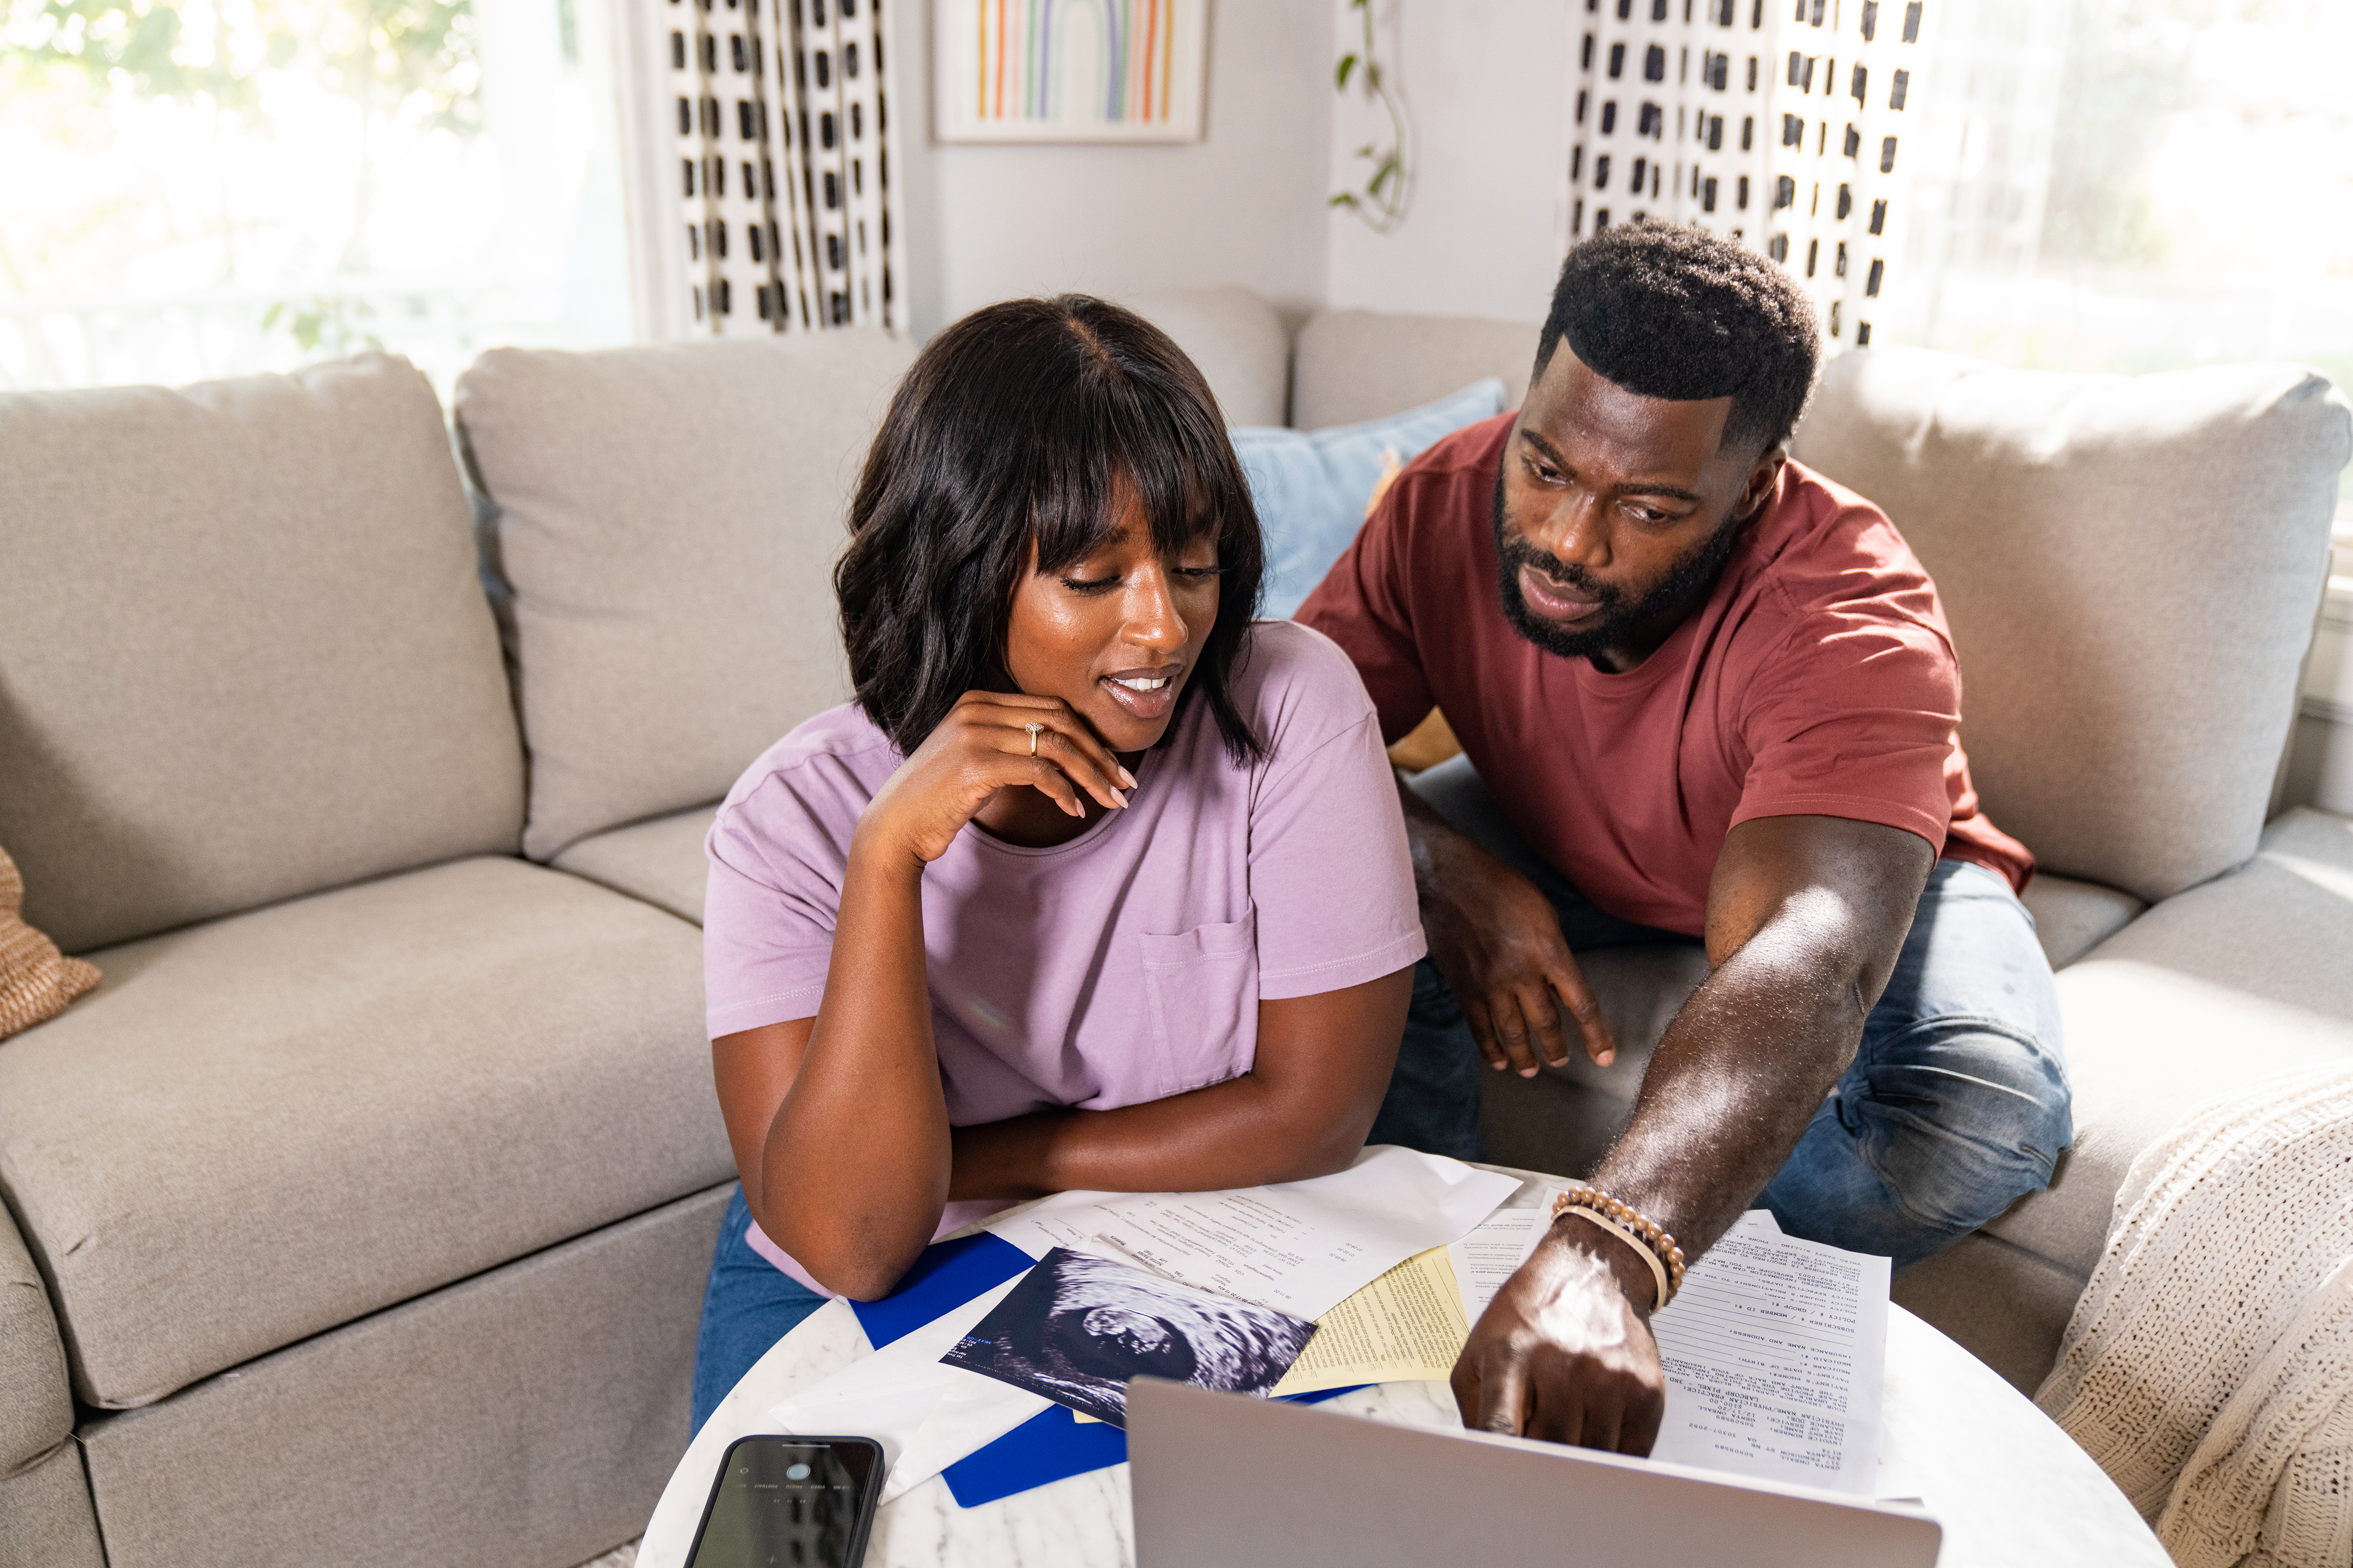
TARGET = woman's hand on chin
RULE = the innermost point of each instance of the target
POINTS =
(984, 745)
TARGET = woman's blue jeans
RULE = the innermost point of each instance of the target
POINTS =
(1956, 1105)
(747, 1307)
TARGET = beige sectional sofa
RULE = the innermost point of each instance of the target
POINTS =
(361, 1216)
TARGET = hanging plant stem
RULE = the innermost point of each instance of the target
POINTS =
(1389, 189)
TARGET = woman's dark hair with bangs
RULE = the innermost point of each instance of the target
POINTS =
(1027, 422)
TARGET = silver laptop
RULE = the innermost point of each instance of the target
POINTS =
(1245, 1483)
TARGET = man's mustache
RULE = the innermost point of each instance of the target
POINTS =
(1519, 553)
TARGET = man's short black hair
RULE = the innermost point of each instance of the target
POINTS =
(1674, 311)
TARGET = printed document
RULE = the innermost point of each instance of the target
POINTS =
(1493, 1253)
(1775, 1355)
(1405, 1327)
(1301, 1247)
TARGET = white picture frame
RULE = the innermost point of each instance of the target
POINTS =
(1069, 70)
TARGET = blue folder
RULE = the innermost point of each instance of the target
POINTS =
(1047, 1448)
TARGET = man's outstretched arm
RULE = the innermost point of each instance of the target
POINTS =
(1806, 917)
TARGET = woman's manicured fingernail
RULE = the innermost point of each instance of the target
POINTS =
(1527, 1072)
(1126, 779)
(1121, 798)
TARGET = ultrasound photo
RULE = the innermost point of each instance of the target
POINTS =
(1077, 1328)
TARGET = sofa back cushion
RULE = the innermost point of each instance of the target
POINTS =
(1311, 490)
(2131, 567)
(244, 650)
(1354, 365)
(1238, 341)
(666, 521)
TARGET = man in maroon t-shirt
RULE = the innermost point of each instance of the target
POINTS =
(1703, 695)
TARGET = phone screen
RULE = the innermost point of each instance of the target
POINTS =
(790, 1503)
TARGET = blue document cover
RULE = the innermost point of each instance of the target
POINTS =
(948, 1275)
(1052, 1448)
(1047, 1448)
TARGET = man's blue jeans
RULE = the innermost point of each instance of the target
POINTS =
(1956, 1105)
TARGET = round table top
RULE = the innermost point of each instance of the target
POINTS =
(2008, 1486)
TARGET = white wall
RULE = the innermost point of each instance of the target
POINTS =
(1482, 83)
(1243, 205)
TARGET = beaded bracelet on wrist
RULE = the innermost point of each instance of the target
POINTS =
(1650, 1239)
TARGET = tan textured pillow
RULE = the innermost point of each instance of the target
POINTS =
(36, 981)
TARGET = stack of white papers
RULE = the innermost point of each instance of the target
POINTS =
(1776, 1359)
(1493, 1253)
(1299, 1247)
(1302, 1247)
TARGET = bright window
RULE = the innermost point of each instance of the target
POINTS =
(225, 186)
(2138, 184)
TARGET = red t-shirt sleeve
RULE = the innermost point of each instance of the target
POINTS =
(1853, 715)
(1362, 605)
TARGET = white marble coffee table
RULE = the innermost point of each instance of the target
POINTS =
(2008, 1486)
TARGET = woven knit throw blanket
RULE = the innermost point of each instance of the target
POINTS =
(36, 980)
(2209, 1365)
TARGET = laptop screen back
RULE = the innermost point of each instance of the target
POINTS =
(1247, 1483)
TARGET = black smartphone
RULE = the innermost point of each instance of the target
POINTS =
(790, 1503)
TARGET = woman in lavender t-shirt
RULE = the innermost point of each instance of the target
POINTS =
(1098, 884)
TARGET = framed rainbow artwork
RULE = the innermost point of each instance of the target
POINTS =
(1069, 70)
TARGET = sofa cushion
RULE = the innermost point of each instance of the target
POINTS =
(2072, 918)
(2003, 1304)
(1238, 341)
(1354, 365)
(48, 1509)
(2245, 976)
(527, 1417)
(36, 1409)
(2130, 565)
(262, 1127)
(1311, 490)
(659, 861)
(244, 651)
(667, 519)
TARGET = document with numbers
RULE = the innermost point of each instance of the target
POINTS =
(1775, 1355)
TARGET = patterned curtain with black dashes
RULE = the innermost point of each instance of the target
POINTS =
(790, 222)
(1780, 122)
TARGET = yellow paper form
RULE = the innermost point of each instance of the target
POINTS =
(1405, 1326)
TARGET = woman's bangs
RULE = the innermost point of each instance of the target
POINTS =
(1101, 457)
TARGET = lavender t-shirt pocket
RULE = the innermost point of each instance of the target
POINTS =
(1203, 988)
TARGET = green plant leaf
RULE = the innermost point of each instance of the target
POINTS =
(1340, 77)
(1382, 175)
(1344, 199)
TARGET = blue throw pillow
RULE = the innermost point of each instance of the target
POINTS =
(1310, 488)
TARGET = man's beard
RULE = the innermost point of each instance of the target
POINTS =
(1687, 579)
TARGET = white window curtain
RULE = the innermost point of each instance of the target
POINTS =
(776, 136)
(1780, 122)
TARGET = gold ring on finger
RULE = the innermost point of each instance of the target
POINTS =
(1034, 727)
